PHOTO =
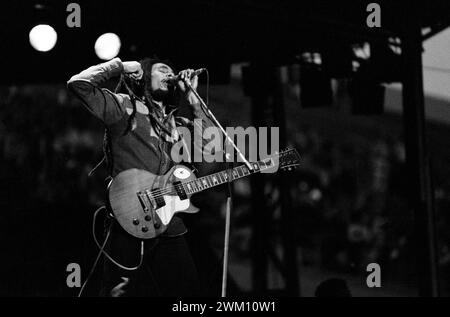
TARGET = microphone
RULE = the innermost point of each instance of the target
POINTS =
(172, 80)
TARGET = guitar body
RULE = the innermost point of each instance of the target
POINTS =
(144, 204)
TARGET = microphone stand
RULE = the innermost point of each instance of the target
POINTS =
(228, 209)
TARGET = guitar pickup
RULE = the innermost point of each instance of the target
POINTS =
(156, 200)
(180, 190)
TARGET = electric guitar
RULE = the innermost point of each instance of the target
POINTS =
(144, 203)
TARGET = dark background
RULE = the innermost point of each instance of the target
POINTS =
(349, 200)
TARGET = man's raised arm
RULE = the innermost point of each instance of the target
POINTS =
(104, 104)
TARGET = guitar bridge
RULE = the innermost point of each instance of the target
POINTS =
(144, 200)
(149, 196)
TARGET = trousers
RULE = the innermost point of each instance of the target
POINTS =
(167, 269)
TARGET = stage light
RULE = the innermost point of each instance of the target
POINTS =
(43, 37)
(395, 45)
(107, 46)
(361, 51)
(311, 58)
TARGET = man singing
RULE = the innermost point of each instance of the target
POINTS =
(140, 131)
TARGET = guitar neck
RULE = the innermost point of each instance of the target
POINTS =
(219, 178)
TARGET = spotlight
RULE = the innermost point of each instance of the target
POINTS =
(361, 50)
(107, 46)
(43, 37)
(311, 58)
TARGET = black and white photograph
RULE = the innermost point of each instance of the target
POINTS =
(225, 155)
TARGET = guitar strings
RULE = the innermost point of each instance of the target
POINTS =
(169, 190)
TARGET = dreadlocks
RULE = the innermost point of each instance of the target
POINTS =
(140, 90)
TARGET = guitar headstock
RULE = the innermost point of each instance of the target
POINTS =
(288, 159)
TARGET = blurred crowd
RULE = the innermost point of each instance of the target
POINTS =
(355, 191)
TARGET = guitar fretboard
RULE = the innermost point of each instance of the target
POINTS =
(222, 177)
